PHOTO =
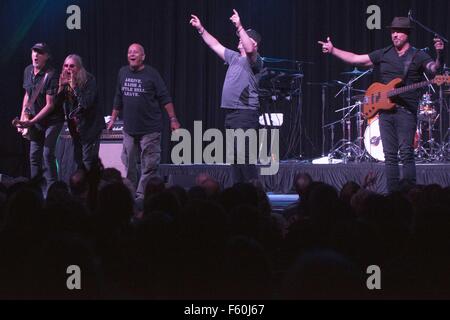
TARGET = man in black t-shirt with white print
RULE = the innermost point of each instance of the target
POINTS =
(397, 126)
(140, 94)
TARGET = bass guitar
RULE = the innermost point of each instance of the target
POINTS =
(379, 96)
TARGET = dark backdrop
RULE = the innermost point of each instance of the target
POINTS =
(194, 75)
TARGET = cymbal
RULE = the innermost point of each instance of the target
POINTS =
(354, 72)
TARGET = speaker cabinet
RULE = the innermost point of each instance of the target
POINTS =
(110, 154)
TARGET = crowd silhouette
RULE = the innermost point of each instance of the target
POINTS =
(209, 243)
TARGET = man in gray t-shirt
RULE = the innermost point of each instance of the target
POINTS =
(240, 89)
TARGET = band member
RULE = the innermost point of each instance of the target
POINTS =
(240, 89)
(398, 125)
(40, 115)
(140, 93)
(77, 93)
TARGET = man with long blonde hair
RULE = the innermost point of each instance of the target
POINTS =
(77, 93)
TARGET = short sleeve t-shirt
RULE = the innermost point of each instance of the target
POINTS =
(390, 66)
(240, 89)
(140, 96)
(31, 81)
(240, 94)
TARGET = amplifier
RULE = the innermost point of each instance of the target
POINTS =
(115, 134)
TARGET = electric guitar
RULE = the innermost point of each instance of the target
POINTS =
(378, 96)
(73, 122)
(25, 132)
(27, 116)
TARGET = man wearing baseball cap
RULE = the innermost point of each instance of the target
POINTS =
(398, 125)
(39, 114)
(240, 89)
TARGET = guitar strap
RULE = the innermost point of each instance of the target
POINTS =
(408, 64)
(36, 91)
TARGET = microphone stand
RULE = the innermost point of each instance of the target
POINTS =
(437, 35)
(426, 28)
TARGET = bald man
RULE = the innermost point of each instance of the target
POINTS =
(140, 95)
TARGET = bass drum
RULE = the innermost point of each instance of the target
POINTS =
(373, 143)
(372, 140)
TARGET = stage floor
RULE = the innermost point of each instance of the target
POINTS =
(334, 174)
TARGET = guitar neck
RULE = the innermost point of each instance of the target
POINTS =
(407, 88)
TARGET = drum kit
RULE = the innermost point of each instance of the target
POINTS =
(368, 145)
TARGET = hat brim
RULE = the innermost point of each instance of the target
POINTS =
(38, 49)
(401, 28)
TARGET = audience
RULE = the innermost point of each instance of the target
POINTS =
(208, 243)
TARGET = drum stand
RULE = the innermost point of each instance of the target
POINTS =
(430, 150)
(445, 140)
(420, 152)
(345, 149)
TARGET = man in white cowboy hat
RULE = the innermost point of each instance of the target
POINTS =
(398, 125)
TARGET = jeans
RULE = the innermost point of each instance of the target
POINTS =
(397, 129)
(86, 154)
(42, 153)
(150, 145)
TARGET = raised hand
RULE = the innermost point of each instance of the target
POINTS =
(63, 79)
(236, 19)
(195, 22)
(72, 80)
(327, 47)
(370, 179)
(438, 44)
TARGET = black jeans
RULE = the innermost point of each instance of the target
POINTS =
(243, 168)
(397, 129)
(86, 154)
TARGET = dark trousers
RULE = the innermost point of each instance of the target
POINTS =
(241, 172)
(42, 153)
(86, 154)
(397, 129)
(150, 156)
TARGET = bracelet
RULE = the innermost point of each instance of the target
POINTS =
(202, 32)
(240, 29)
(173, 119)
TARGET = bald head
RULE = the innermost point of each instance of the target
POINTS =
(136, 56)
(137, 47)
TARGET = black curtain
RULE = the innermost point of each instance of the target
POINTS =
(194, 75)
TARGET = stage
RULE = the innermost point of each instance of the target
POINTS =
(334, 174)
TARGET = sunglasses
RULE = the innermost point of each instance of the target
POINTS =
(69, 66)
